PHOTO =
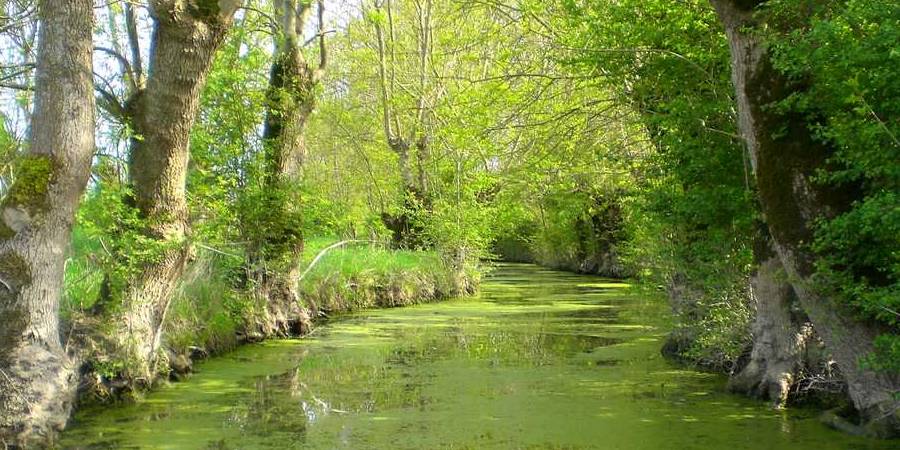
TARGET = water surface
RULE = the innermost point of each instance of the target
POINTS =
(540, 360)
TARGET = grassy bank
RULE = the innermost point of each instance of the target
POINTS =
(370, 276)
(213, 310)
(211, 314)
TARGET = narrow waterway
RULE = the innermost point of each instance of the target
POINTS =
(541, 359)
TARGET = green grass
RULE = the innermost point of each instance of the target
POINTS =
(355, 258)
(83, 278)
(363, 275)
(210, 309)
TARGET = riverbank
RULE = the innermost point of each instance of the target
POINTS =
(214, 311)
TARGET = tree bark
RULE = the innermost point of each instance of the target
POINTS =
(290, 99)
(423, 38)
(784, 164)
(291, 93)
(423, 154)
(37, 377)
(779, 336)
(185, 38)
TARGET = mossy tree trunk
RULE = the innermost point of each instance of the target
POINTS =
(785, 158)
(37, 377)
(780, 334)
(290, 99)
(185, 38)
(406, 233)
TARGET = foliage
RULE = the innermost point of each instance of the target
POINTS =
(691, 211)
(271, 216)
(84, 277)
(847, 61)
(9, 154)
(459, 226)
(596, 136)
(225, 141)
(125, 247)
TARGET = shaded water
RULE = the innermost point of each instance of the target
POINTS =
(541, 359)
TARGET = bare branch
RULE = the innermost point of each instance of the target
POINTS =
(273, 24)
(323, 51)
(16, 86)
(137, 67)
(382, 78)
(123, 62)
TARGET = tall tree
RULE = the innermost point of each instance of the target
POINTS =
(417, 136)
(37, 377)
(276, 230)
(185, 38)
(786, 158)
(780, 332)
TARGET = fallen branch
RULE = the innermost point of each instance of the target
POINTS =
(326, 250)
(206, 247)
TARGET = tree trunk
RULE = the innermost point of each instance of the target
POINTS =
(185, 39)
(422, 156)
(785, 158)
(779, 337)
(290, 97)
(37, 377)
(404, 233)
(275, 259)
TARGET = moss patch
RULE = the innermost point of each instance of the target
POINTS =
(5, 231)
(206, 10)
(33, 178)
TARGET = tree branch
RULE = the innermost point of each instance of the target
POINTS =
(134, 45)
(123, 62)
(323, 51)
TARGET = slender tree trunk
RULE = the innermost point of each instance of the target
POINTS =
(290, 101)
(779, 336)
(404, 232)
(423, 38)
(401, 147)
(185, 39)
(784, 165)
(37, 377)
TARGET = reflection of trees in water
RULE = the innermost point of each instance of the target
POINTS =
(345, 382)
(282, 402)
(534, 343)
(272, 406)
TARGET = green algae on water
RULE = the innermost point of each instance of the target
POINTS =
(540, 359)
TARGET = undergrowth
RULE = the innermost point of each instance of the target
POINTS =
(212, 310)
